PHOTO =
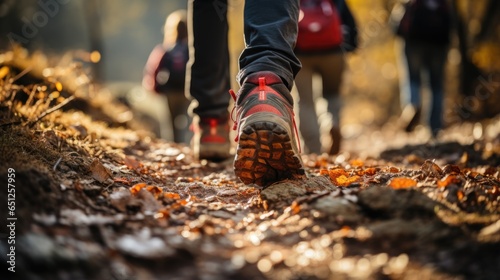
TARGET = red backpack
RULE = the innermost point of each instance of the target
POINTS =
(319, 26)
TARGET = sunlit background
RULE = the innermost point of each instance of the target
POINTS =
(114, 38)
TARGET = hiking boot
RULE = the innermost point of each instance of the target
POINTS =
(410, 117)
(268, 149)
(336, 139)
(211, 139)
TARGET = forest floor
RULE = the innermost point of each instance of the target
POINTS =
(94, 199)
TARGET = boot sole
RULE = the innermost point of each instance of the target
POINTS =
(266, 151)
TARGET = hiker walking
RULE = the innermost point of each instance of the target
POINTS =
(425, 27)
(165, 73)
(327, 32)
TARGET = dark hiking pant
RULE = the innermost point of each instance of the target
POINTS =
(270, 28)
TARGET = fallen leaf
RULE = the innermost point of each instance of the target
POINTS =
(447, 180)
(344, 181)
(334, 173)
(451, 169)
(171, 195)
(402, 183)
(132, 163)
(356, 163)
(430, 168)
(99, 172)
(137, 187)
(341, 178)
(369, 171)
(393, 169)
(295, 207)
(154, 190)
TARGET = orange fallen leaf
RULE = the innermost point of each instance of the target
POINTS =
(171, 195)
(295, 207)
(154, 190)
(402, 183)
(393, 169)
(334, 173)
(341, 178)
(344, 181)
(323, 172)
(370, 171)
(447, 180)
(356, 163)
(137, 187)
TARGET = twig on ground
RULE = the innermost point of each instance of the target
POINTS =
(24, 72)
(57, 163)
(52, 110)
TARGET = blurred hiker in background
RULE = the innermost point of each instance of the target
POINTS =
(425, 27)
(327, 32)
(268, 149)
(165, 73)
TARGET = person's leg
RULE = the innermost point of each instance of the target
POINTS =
(414, 60)
(268, 150)
(208, 66)
(331, 68)
(178, 107)
(410, 99)
(437, 60)
(208, 78)
(270, 33)
(309, 126)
